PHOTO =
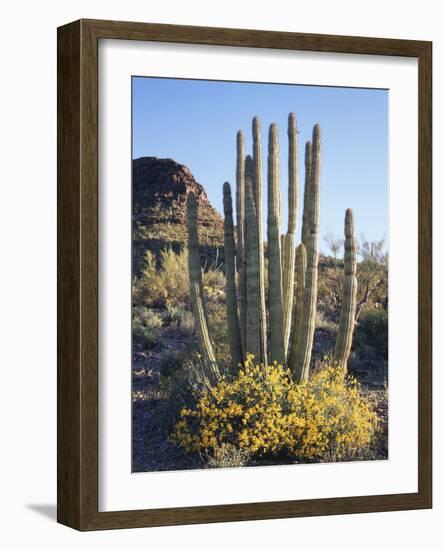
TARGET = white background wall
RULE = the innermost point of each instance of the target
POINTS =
(28, 270)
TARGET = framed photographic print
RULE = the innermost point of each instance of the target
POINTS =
(244, 274)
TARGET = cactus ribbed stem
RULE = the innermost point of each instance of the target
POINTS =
(274, 252)
(253, 335)
(292, 173)
(258, 196)
(196, 291)
(305, 224)
(310, 302)
(288, 262)
(347, 314)
(257, 166)
(296, 355)
(282, 254)
(234, 336)
(289, 241)
(241, 255)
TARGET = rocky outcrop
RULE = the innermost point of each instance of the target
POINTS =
(161, 182)
(160, 189)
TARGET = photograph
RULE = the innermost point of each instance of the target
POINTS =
(259, 274)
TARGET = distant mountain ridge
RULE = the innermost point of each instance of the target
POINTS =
(160, 188)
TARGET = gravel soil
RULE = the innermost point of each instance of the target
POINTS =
(153, 451)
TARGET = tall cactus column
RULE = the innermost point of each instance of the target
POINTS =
(288, 249)
(274, 252)
(258, 196)
(253, 334)
(196, 291)
(310, 223)
(241, 253)
(305, 219)
(296, 360)
(231, 291)
(347, 314)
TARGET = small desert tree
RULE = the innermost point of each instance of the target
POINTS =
(373, 275)
(334, 244)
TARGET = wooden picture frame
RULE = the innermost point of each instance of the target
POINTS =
(78, 274)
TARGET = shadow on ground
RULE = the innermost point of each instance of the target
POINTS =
(48, 511)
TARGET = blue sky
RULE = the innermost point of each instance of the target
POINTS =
(195, 122)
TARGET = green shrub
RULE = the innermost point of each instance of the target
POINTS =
(173, 316)
(214, 285)
(146, 325)
(321, 321)
(228, 456)
(372, 332)
(164, 285)
(177, 316)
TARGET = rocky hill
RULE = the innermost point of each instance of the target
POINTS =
(160, 188)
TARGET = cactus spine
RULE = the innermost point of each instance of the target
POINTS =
(253, 334)
(288, 249)
(196, 291)
(231, 292)
(296, 356)
(347, 314)
(312, 220)
(241, 255)
(274, 252)
(258, 196)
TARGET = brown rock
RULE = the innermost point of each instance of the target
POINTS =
(160, 188)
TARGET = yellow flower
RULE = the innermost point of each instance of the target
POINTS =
(262, 411)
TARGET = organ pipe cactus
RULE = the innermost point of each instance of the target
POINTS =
(234, 336)
(305, 224)
(253, 334)
(288, 247)
(296, 359)
(312, 208)
(291, 327)
(240, 212)
(196, 291)
(258, 197)
(274, 251)
(347, 313)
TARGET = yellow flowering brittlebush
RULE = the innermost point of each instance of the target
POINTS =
(262, 411)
